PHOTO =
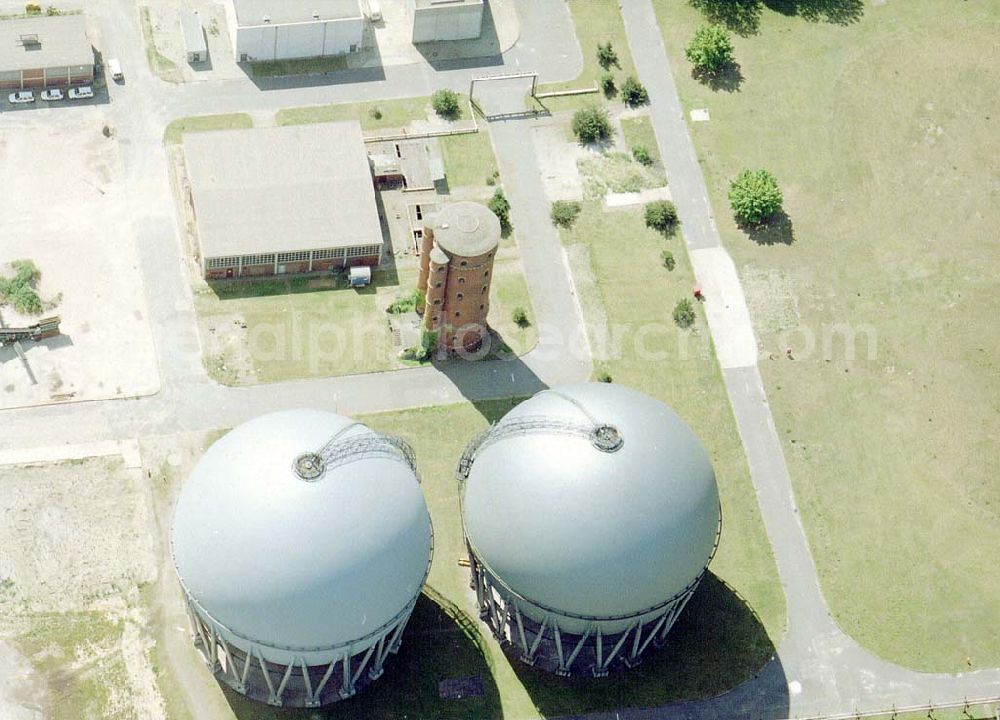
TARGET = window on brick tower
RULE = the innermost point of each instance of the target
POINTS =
(461, 296)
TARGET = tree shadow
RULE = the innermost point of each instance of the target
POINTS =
(776, 230)
(728, 79)
(440, 643)
(718, 645)
(838, 12)
(740, 16)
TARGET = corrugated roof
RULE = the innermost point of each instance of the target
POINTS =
(282, 189)
(253, 12)
(61, 42)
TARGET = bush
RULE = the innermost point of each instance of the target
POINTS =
(634, 92)
(520, 317)
(501, 208)
(604, 376)
(684, 313)
(710, 50)
(33, 9)
(492, 178)
(661, 215)
(19, 291)
(375, 112)
(641, 155)
(564, 212)
(608, 86)
(445, 103)
(405, 304)
(668, 259)
(606, 56)
(754, 196)
(591, 124)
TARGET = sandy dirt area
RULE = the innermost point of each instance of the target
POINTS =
(76, 549)
(65, 207)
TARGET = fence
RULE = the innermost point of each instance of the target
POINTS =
(965, 705)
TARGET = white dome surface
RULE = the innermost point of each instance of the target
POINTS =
(296, 564)
(586, 532)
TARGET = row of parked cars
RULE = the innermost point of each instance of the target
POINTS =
(27, 96)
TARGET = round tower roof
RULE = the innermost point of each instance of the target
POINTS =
(299, 549)
(466, 229)
(592, 500)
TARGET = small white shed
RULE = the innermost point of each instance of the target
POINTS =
(194, 36)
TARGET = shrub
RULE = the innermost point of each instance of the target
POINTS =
(520, 317)
(754, 196)
(405, 304)
(501, 208)
(606, 56)
(445, 103)
(684, 313)
(608, 86)
(33, 9)
(668, 259)
(604, 376)
(19, 291)
(710, 50)
(492, 178)
(591, 124)
(661, 215)
(564, 212)
(634, 92)
(641, 155)
(375, 112)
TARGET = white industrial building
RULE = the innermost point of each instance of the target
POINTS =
(437, 20)
(264, 30)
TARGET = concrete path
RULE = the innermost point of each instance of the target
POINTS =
(818, 669)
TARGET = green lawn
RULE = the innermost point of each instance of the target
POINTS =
(509, 290)
(174, 133)
(882, 134)
(597, 22)
(468, 159)
(380, 115)
(639, 131)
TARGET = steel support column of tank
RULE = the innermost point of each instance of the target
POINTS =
(297, 683)
(548, 645)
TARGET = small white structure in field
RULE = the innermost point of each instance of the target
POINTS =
(194, 37)
(263, 30)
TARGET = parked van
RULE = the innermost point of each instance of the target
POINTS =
(115, 69)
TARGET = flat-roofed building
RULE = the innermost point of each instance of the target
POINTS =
(193, 33)
(292, 199)
(263, 30)
(437, 20)
(45, 51)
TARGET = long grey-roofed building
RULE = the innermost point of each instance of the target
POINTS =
(264, 30)
(46, 51)
(193, 33)
(301, 540)
(439, 20)
(591, 513)
(283, 200)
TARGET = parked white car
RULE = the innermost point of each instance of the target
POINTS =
(52, 94)
(80, 93)
(21, 96)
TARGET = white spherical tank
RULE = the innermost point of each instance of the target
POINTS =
(591, 513)
(302, 541)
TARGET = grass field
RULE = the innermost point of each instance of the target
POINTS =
(639, 131)
(174, 132)
(882, 133)
(468, 159)
(597, 22)
(380, 115)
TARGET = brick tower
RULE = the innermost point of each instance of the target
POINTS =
(456, 267)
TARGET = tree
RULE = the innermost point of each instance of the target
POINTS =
(604, 376)
(591, 124)
(642, 155)
(606, 56)
(501, 208)
(754, 196)
(634, 92)
(520, 317)
(710, 50)
(564, 213)
(608, 86)
(668, 259)
(684, 313)
(445, 103)
(661, 215)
